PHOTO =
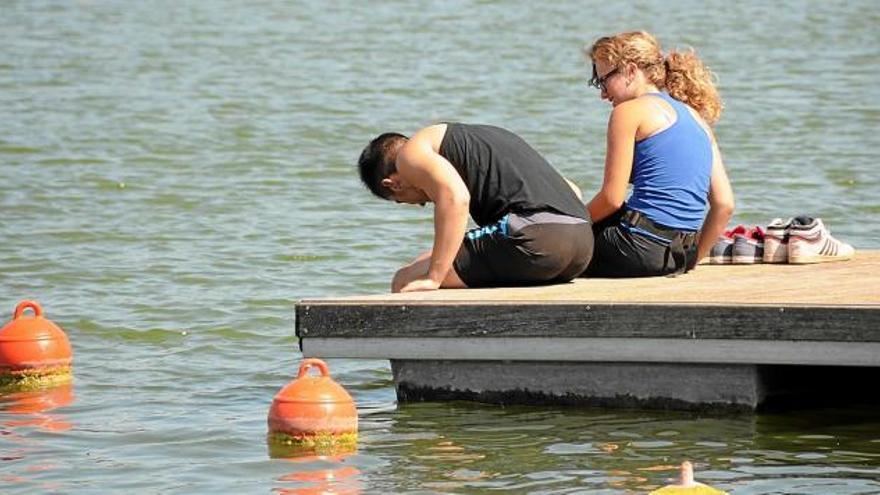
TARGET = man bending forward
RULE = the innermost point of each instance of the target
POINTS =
(532, 228)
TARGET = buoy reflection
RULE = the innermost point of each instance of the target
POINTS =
(35, 407)
(319, 475)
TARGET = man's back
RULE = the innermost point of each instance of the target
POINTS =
(505, 175)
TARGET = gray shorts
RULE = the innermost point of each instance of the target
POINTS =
(525, 249)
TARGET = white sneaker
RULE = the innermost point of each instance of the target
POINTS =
(812, 243)
(776, 241)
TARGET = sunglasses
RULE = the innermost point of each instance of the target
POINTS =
(602, 82)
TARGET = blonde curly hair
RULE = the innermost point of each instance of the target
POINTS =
(681, 74)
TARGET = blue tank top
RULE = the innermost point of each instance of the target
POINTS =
(671, 171)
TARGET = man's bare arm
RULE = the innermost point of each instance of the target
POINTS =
(421, 164)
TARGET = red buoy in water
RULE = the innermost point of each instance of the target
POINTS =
(34, 352)
(312, 414)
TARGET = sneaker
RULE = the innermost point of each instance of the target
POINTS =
(722, 251)
(748, 247)
(776, 241)
(811, 242)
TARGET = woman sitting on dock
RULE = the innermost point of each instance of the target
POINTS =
(660, 140)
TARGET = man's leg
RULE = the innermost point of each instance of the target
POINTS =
(418, 268)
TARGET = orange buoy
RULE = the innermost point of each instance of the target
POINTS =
(312, 414)
(34, 352)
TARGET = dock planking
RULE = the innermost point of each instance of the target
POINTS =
(745, 316)
(853, 282)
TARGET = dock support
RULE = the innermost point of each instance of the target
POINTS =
(636, 385)
(695, 387)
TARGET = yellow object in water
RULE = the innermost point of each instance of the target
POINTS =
(687, 485)
(282, 445)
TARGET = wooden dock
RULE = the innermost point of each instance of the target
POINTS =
(719, 336)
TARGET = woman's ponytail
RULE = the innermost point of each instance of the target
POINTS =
(691, 82)
(681, 74)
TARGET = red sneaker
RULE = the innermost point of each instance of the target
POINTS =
(748, 247)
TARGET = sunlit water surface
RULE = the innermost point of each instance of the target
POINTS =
(176, 174)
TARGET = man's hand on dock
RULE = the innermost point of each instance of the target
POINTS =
(421, 284)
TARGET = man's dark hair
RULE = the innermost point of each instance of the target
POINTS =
(377, 162)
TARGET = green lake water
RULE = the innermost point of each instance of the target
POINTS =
(175, 175)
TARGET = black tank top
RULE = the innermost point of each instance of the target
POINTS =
(505, 175)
